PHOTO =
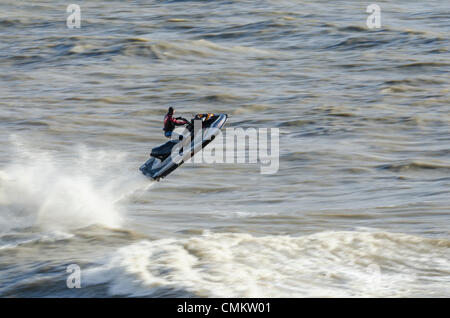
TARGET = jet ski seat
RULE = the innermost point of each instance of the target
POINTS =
(163, 151)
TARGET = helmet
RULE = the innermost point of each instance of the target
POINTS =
(170, 110)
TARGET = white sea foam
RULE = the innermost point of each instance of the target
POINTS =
(63, 193)
(343, 264)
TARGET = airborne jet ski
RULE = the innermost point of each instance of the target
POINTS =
(201, 130)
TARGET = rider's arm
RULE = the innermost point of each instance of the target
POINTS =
(178, 121)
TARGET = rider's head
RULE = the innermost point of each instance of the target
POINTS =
(171, 111)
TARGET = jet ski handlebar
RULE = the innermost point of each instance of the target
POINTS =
(183, 119)
(202, 117)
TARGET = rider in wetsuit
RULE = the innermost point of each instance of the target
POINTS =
(170, 123)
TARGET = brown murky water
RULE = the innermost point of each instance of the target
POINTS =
(358, 207)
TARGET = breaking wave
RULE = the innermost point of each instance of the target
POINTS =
(337, 264)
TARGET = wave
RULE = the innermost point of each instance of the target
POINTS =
(62, 49)
(414, 81)
(354, 43)
(351, 28)
(415, 166)
(8, 22)
(249, 30)
(331, 264)
(26, 23)
(16, 240)
(186, 49)
(420, 65)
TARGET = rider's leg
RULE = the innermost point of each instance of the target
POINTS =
(173, 135)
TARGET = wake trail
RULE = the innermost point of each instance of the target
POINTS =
(57, 191)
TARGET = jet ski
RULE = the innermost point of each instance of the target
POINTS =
(201, 130)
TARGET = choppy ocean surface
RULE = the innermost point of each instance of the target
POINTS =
(360, 204)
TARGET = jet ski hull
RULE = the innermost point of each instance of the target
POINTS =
(162, 163)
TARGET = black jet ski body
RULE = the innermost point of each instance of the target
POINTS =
(172, 154)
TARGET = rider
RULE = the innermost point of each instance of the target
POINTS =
(170, 122)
